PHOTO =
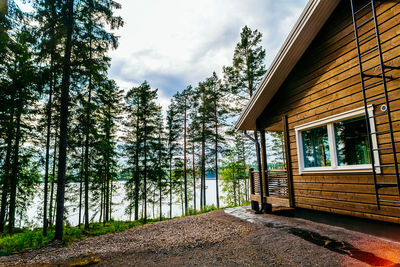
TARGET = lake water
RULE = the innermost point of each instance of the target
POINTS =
(120, 204)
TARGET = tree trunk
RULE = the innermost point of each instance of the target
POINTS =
(203, 164)
(145, 171)
(182, 205)
(51, 217)
(111, 191)
(239, 188)
(159, 176)
(153, 202)
(184, 158)
(160, 188)
(216, 155)
(64, 123)
(87, 156)
(54, 212)
(194, 178)
(101, 201)
(137, 170)
(81, 189)
(46, 172)
(14, 172)
(234, 185)
(107, 199)
(48, 134)
(88, 126)
(108, 166)
(137, 187)
(6, 176)
(170, 185)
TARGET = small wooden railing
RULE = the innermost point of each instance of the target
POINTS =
(277, 183)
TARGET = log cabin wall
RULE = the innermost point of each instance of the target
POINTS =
(326, 81)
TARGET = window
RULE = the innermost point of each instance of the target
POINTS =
(352, 142)
(316, 147)
(336, 144)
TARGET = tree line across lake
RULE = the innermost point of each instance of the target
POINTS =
(63, 120)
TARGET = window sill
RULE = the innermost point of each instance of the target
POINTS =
(343, 169)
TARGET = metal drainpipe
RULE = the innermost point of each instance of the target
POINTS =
(255, 140)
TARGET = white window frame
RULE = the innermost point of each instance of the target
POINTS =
(329, 121)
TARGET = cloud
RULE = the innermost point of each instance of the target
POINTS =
(174, 43)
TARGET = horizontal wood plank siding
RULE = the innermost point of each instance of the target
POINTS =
(325, 82)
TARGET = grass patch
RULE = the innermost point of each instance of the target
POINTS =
(206, 208)
(25, 238)
(34, 238)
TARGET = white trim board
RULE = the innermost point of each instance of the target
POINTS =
(328, 121)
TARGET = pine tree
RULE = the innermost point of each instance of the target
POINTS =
(142, 114)
(92, 42)
(160, 162)
(220, 110)
(8, 21)
(247, 70)
(192, 151)
(23, 76)
(248, 66)
(110, 99)
(173, 132)
(69, 21)
(182, 101)
(49, 35)
(202, 124)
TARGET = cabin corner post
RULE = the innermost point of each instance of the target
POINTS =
(264, 168)
(288, 160)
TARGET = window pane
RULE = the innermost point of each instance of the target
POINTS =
(352, 142)
(316, 147)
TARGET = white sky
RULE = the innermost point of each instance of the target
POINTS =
(176, 43)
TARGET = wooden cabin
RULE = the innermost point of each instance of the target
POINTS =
(333, 89)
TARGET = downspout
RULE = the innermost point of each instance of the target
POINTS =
(255, 141)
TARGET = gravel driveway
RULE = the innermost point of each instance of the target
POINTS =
(234, 237)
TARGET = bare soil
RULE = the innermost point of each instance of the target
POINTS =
(234, 237)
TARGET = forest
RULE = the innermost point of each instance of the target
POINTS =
(63, 121)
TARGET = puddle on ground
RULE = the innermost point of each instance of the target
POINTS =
(340, 247)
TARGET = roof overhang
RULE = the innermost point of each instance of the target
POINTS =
(311, 20)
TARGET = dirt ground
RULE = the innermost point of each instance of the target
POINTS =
(234, 237)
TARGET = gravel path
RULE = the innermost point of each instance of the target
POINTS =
(234, 237)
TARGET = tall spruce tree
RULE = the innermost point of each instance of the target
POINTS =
(92, 42)
(142, 125)
(23, 76)
(160, 162)
(49, 34)
(203, 128)
(220, 110)
(172, 132)
(68, 9)
(110, 98)
(248, 67)
(182, 101)
(247, 70)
